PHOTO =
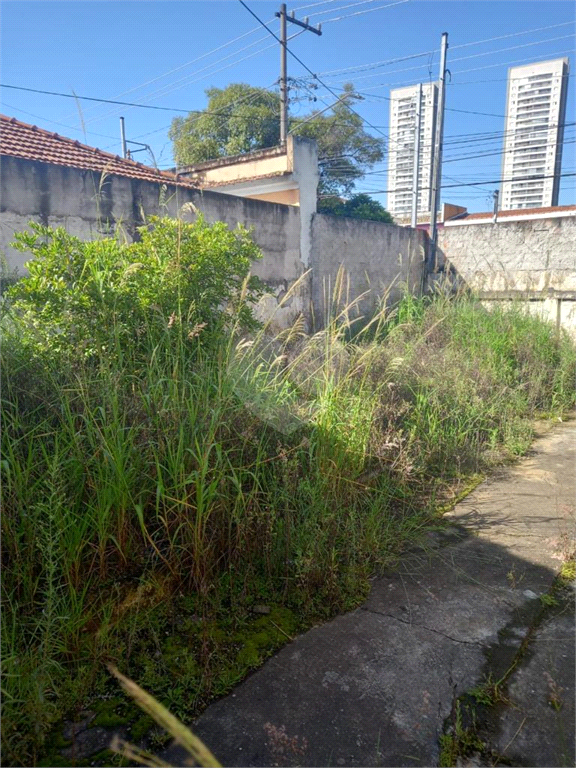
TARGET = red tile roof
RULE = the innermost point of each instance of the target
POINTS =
(18, 139)
(516, 212)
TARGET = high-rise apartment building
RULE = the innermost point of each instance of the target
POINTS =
(401, 156)
(534, 131)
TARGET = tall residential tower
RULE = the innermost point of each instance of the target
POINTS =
(401, 156)
(534, 131)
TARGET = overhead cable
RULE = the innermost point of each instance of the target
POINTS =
(370, 10)
(186, 64)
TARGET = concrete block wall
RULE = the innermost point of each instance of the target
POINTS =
(378, 259)
(531, 255)
(533, 260)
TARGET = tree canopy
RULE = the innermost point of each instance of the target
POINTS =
(241, 118)
(360, 206)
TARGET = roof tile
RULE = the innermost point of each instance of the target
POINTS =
(18, 139)
(518, 212)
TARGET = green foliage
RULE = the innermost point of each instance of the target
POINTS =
(87, 299)
(241, 118)
(359, 206)
(238, 119)
(142, 468)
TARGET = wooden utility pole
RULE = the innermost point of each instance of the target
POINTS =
(437, 167)
(283, 66)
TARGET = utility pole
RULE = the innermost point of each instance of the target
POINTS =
(416, 169)
(123, 138)
(437, 167)
(283, 77)
(283, 66)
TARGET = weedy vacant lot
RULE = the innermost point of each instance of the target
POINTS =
(182, 491)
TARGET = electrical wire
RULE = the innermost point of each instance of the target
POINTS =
(55, 122)
(513, 34)
(315, 5)
(90, 98)
(374, 64)
(449, 109)
(341, 8)
(186, 64)
(360, 13)
(458, 72)
(480, 183)
(363, 67)
(472, 56)
(248, 98)
(310, 71)
(186, 80)
(501, 152)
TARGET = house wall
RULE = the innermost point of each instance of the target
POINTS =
(377, 258)
(532, 260)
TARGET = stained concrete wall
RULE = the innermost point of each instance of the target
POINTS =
(89, 208)
(292, 240)
(533, 260)
(378, 260)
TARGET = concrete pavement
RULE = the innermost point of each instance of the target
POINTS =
(469, 610)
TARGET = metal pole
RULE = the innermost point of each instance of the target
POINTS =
(496, 196)
(283, 77)
(437, 171)
(416, 169)
(123, 138)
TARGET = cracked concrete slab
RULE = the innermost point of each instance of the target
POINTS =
(374, 687)
(538, 721)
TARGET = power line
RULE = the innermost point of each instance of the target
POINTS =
(188, 63)
(186, 80)
(389, 98)
(504, 79)
(479, 183)
(514, 34)
(375, 64)
(472, 112)
(248, 98)
(359, 13)
(362, 67)
(55, 122)
(476, 55)
(310, 71)
(91, 98)
(341, 8)
(500, 152)
(125, 103)
(459, 72)
(314, 5)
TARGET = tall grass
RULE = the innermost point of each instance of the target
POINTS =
(236, 468)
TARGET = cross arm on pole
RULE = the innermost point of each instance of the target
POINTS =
(304, 24)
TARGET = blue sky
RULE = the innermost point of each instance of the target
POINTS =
(163, 53)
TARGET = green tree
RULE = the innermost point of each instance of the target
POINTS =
(241, 118)
(360, 206)
(238, 119)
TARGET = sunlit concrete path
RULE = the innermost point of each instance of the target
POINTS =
(475, 609)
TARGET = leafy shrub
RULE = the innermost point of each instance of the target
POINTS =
(83, 299)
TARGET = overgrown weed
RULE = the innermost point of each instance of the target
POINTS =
(162, 454)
